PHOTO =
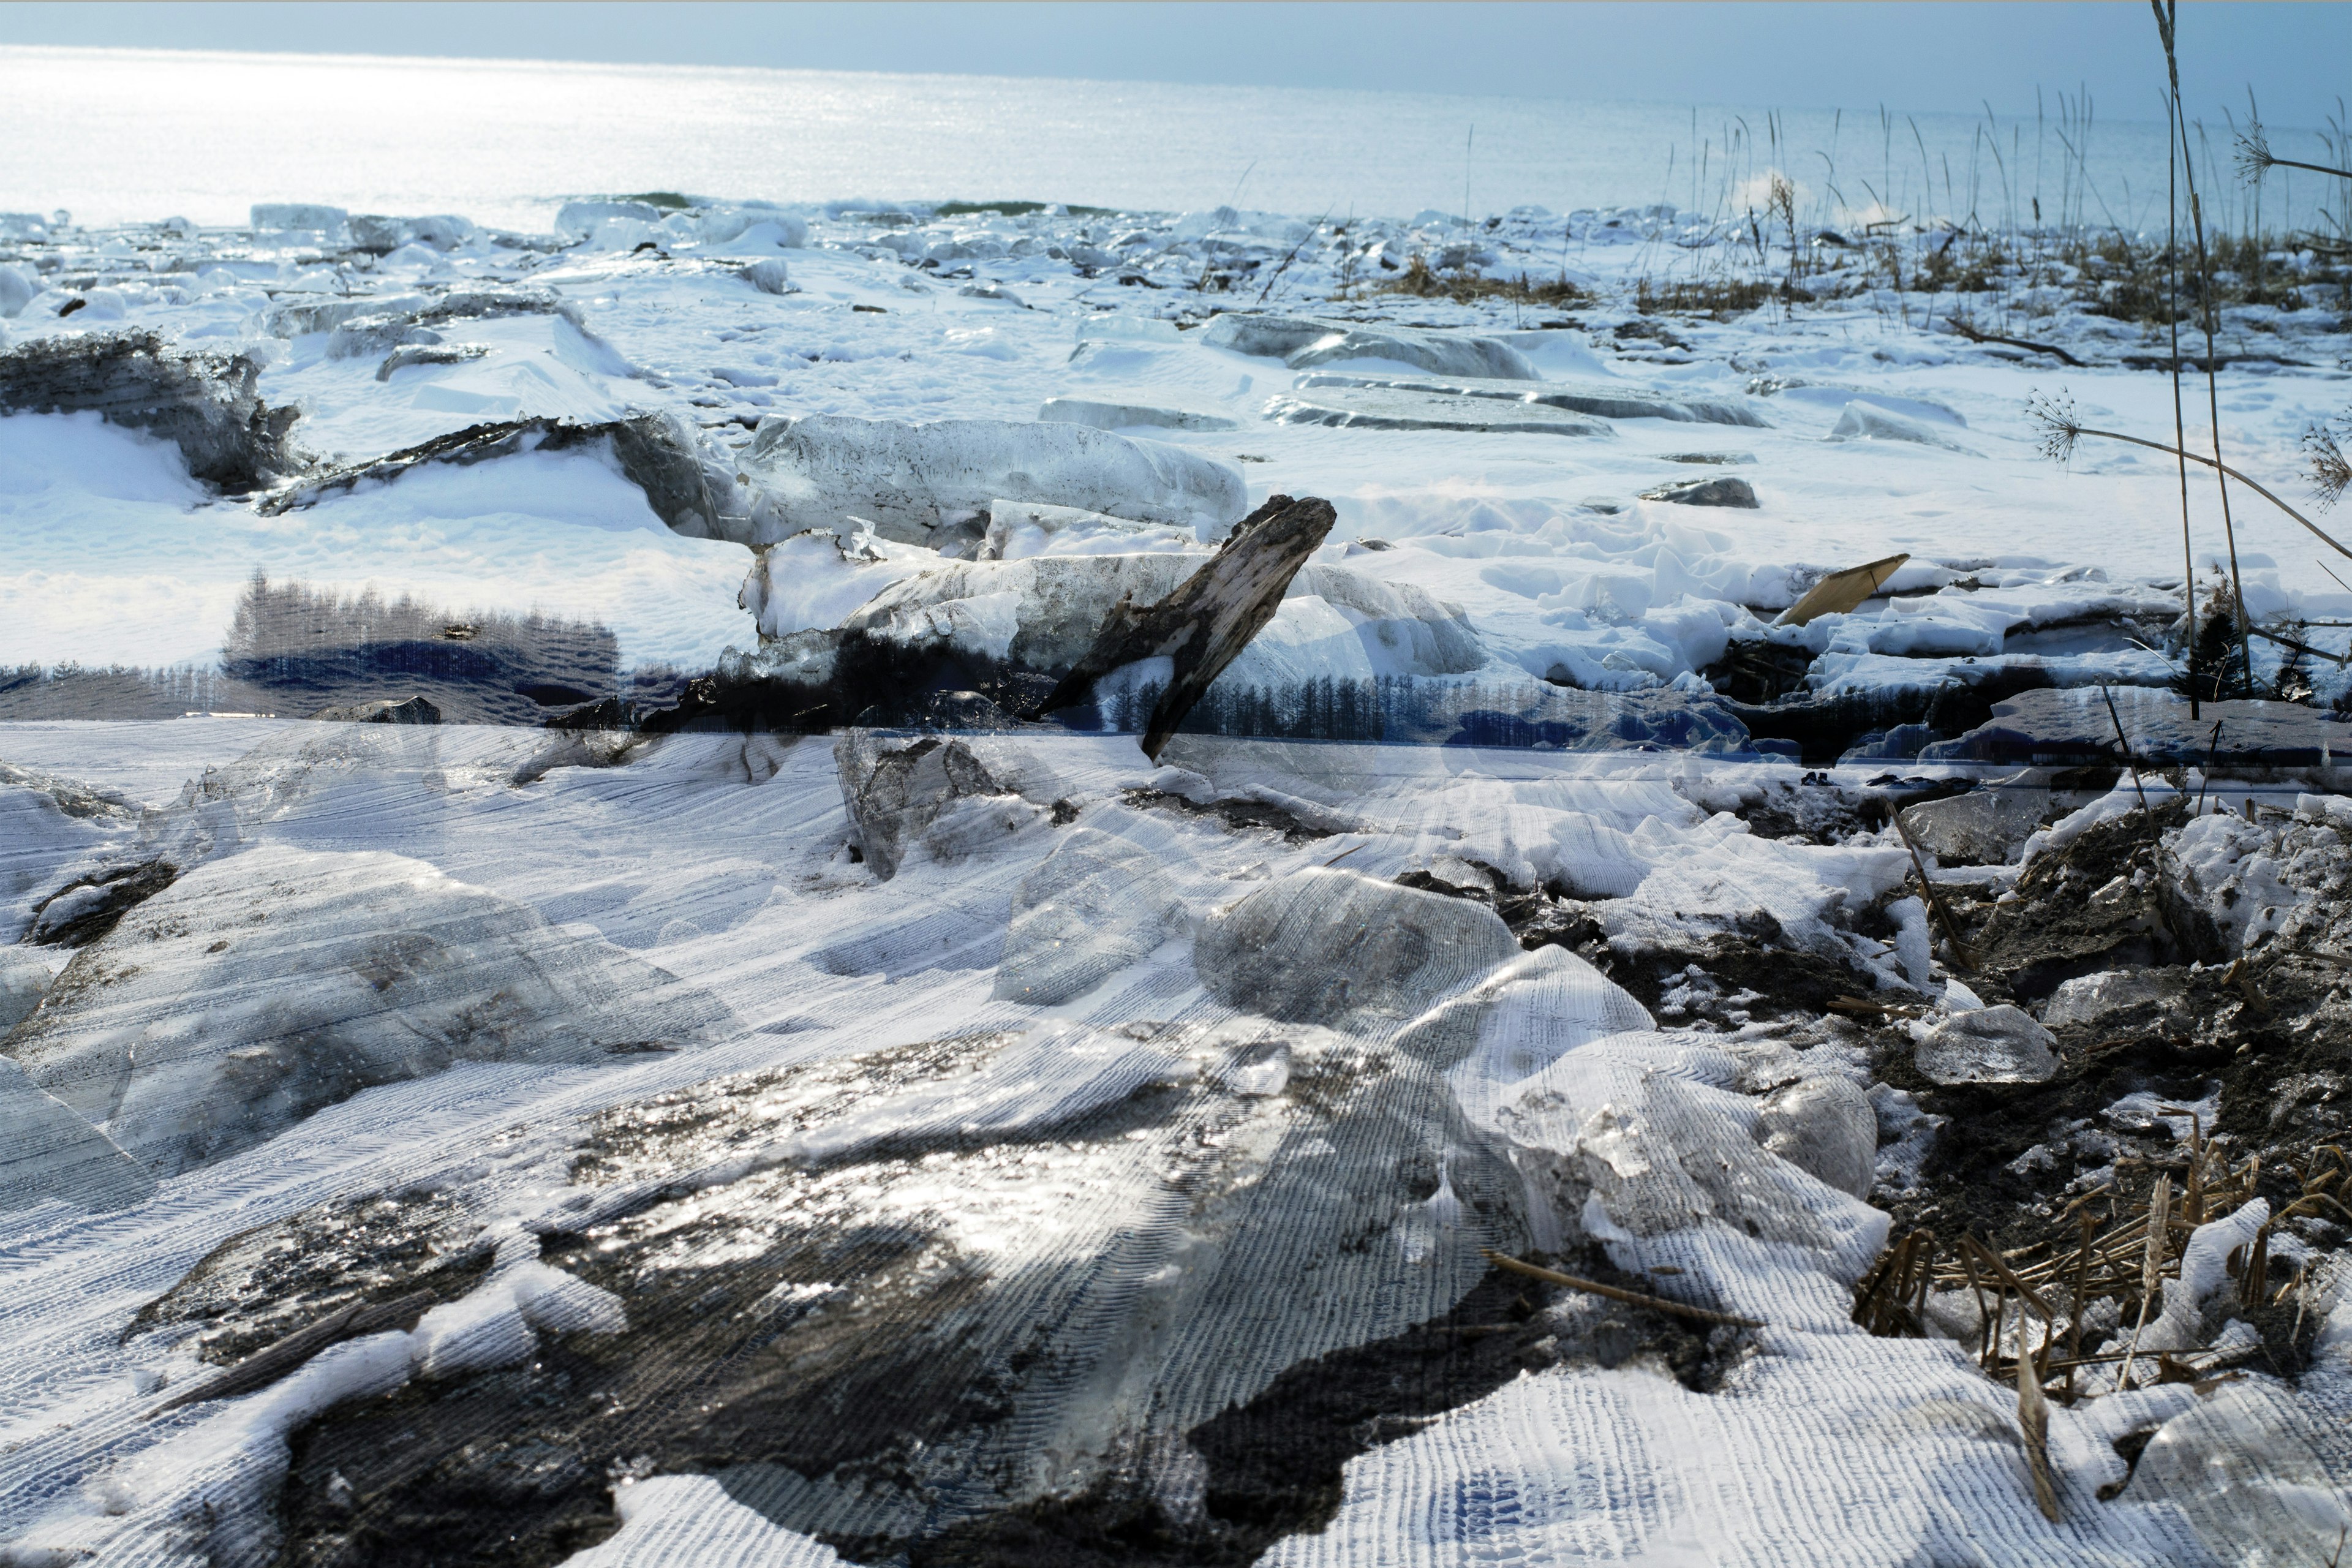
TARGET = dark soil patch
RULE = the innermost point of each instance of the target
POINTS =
(1274, 1465)
(1239, 816)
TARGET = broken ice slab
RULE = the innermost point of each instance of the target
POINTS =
(1576, 396)
(1383, 408)
(1017, 530)
(1129, 415)
(1841, 593)
(2072, 727)
(1867, 422)
(1300, 341)
(928, 484)
(1838, 395)
(1704, 492)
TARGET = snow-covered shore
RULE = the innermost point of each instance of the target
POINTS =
(1001, 1146)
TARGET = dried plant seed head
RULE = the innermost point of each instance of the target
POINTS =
(2253, 153)
(2054, 417)
(2331, 471)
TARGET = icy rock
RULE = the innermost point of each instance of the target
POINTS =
(207, 405)
(914, 480)
(48, 1152)
(287, 217)
(898, 790)
(1989, 1045)
(383, 711)
(1724, 492)
(1301, 342)
(17, 289)
(24, 980)
(1825, 1126)
(1867, 422)
(1096, 905)
(272, 982)
(769, 276)
(1578, 398)
(2090, 998)
(1328, 946)
(1383, 408)
(1129, 415)
(1984, 828)
(1017, 530)
(579, 219)
(1209, 619)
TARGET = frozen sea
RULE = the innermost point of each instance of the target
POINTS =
(114, 135)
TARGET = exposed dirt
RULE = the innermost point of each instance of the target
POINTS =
(2271, 1041)
(263, 1284)
(88, 908)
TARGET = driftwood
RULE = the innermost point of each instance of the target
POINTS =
(1210, 617)
(1976, 336)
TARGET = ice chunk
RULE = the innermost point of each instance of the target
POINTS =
(2092, 998)
(1017, 530)
(897, 790)
(769, 276)
(1840, 395)
(1988, 1045)
(1301, 342)
(313, 217)
(579, 219)
(1984, 828)
(1383, 408)
(1041, 613)
(48, 1151)
(1096, 905)
(1865, 421)
(208, 404)
(1327, 946)
(1608, 402)
(915, 481)
(820, 578)
(17, 286)
(1825, 1125)
(275, 982)
(1129, 415)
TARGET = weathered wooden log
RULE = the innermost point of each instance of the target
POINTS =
(1210, 616)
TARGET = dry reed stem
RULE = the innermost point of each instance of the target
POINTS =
(1619, 1293)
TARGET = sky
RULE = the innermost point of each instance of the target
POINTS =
(1919, 56)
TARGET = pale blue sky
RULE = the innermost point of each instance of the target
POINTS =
(1917, 57)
